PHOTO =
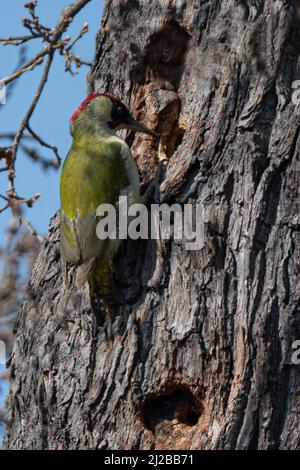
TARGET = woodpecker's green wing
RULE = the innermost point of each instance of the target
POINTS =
(96, 171)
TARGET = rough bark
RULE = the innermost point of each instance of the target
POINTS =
(200, 357)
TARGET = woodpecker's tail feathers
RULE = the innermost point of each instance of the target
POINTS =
(102, 289)
(83, 271)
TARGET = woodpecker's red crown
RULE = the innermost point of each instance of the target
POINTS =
(87, 101)
(119, 118)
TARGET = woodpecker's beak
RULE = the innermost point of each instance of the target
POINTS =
(139, 127)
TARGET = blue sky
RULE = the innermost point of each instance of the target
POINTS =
(63, 93)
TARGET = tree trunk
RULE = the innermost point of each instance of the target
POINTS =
(200, 354)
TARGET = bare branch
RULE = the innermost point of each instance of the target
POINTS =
(23, 221)
(3, 208)
(11, 135)
(30, 152)
(44, 144)
(13, 201)
(25, 121)
(65, 19)
(83, 31)
(36, 157)
(36, 60)
(6, 206)
(26, 200)
(54, 42)
(67, 16)
(18, 40)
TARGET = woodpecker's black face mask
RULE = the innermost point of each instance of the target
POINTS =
(120, 115)
(122, 119)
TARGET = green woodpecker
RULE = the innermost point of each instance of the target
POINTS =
(98, 169)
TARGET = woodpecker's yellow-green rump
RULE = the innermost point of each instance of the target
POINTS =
(99, 168)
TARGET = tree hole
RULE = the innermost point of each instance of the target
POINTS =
(179, 407)
(164, 56)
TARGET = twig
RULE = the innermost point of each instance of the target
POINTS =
(21, 61)
(31, 152)
(84, 62)
(67, 16)
(65, 19)
(11, 135)
(83, 30)
(3, 208)
(54, 42)
(44, 144)
(18, 40)
(36, 60)
(25, 122)
(26, 200)
(13, 201)
(34, 156)
(70, 57)
(23, 221)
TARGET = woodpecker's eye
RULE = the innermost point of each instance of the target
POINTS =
(120, 115)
